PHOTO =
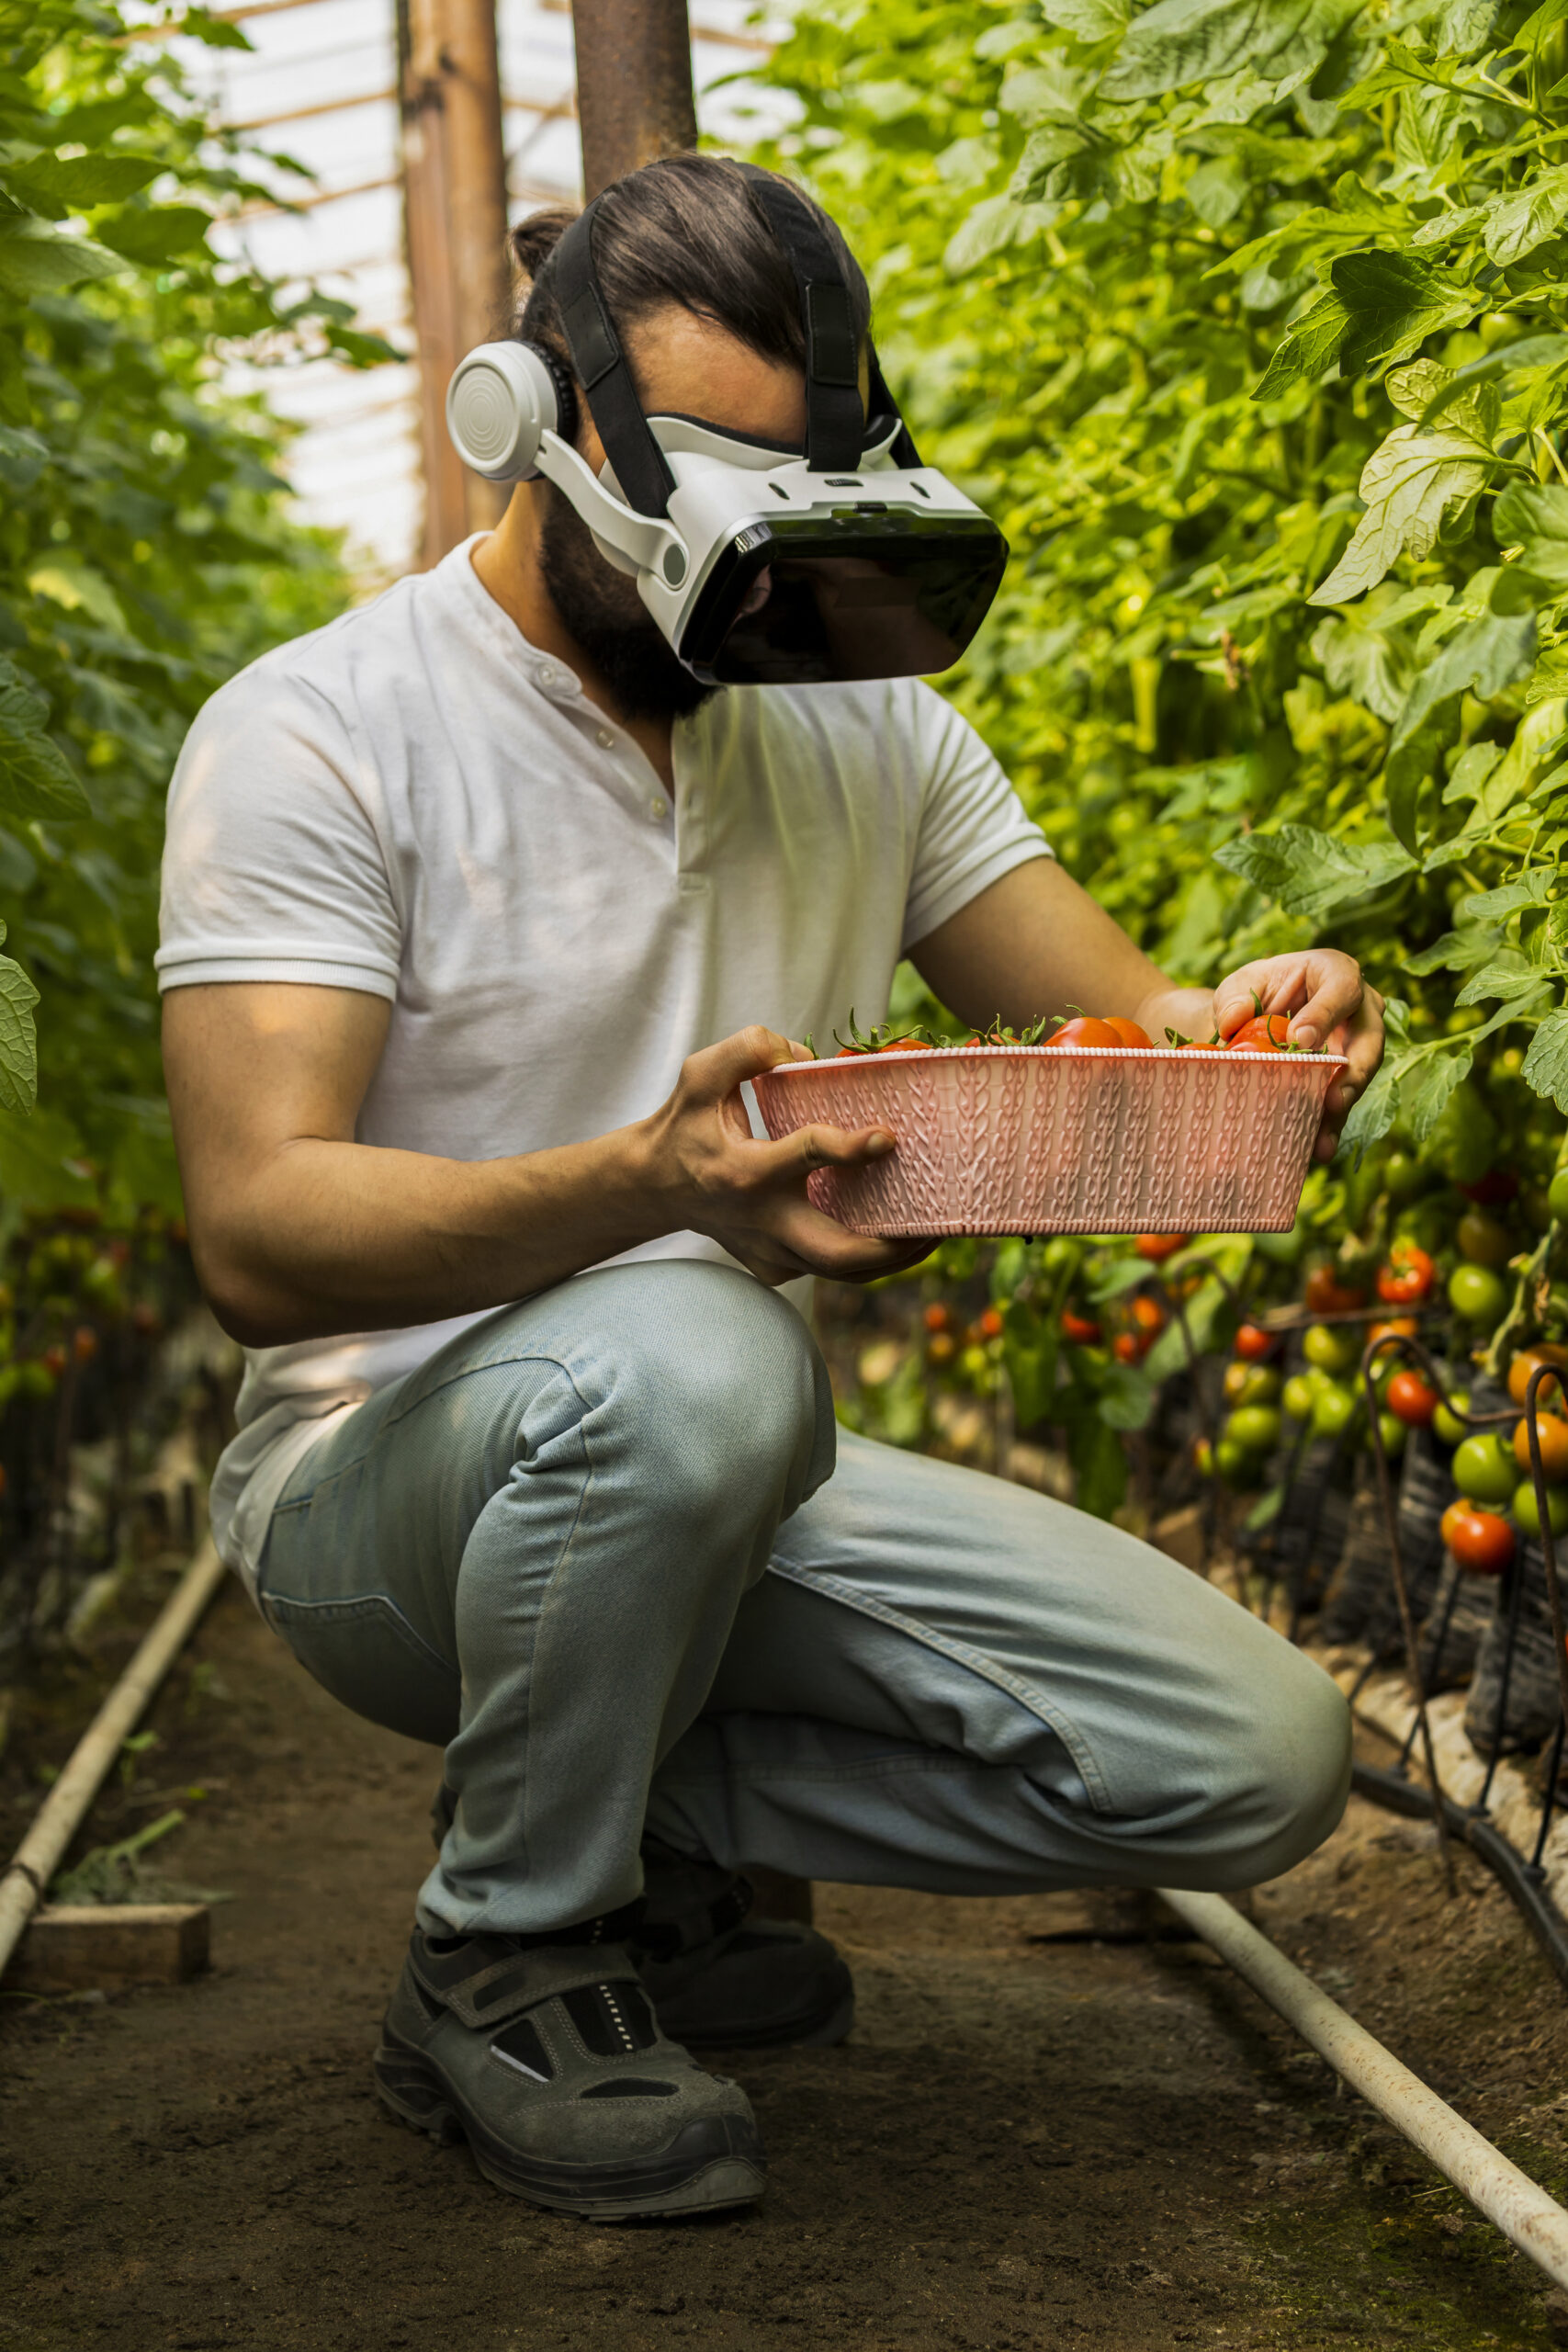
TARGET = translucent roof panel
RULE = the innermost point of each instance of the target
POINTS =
(319, 86)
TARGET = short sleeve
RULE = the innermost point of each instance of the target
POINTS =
(273, 867)
(973, 828)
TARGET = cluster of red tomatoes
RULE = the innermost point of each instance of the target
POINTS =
(968, 1347)
(1265, 1034)
(1496, 1500)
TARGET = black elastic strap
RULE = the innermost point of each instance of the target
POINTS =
(881, 405)
(835, 420)
(640, 468)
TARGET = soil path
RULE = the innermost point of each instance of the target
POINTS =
(1026, 2143)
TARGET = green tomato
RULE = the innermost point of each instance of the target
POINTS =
(1445, 1425)
(1462, 1143)
(1298, 1397)
(1484, 1468)
(1257, 1426)
(1482, 1240)
(1334, 1410)
(1262, 1385)
(1283, 1249)
(1403, 1176)
(1529, 1518)
(1236, 1465)
(1394, 1433)
(1557, 1195)
(1060, 1255)
(1332, 1349)
(1478, 1295)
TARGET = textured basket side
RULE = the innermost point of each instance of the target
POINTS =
(1057, 1142)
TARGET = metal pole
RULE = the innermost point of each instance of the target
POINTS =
(1522, 2210)
(455, 215)
(634, 85)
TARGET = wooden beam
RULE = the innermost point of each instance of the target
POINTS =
(75, 1947)
(455, 212)
(634, 84)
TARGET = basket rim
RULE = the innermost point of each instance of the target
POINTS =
(1057, 1053)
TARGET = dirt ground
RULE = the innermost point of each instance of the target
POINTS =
(1026, 2143)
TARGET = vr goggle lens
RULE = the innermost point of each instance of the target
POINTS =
(761, 567)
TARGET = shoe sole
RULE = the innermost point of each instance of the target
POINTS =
(719, 2165)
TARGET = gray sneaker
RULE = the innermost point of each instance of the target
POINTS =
(547, 2059)
(720, 1980)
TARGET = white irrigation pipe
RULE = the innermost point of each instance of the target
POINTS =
(1524, 2213)
(37, 1856)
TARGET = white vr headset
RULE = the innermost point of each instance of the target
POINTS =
(760, 565)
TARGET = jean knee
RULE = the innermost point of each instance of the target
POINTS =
(729, 1385)
(1293, 1776)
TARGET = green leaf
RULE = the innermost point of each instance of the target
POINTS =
(1426, 1098)
(1506, 979)
(1307, 349)
(36, 258)
(19, 1038)
(1180, 41)
(1409, 484)
(1373, 1114)
(1481, 658)
(1127, 1397)
(80, 181)
(1533, 516)
(1516, 224)
(1546, 1063)
(36, 779)
(1310, 873)
(1394, 302)
(155, 234)
(1085, 19)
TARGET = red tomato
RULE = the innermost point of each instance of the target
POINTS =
(1149, 1317)
(53, 1361)
(1157, 1246)
(1407, 1277)
(1129, 1032)
(1252, 1344)
(1127, 1347)
(1479, 1540)
(84, 1343)
(1554, 1433)
(1395, 1326)
(937, 1318)
(905, 1046)
(1411, 1400)
(1327, 1295)
(991, 1325)
(1085, 1031)
(1549, 1396)
(1266, 1034)
(1080, 1330)
(1490, 1191)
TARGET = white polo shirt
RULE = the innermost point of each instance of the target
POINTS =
(416, 802)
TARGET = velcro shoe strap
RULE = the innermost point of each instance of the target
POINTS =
(520, 1981)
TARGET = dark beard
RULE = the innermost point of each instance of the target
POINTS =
(603, 612)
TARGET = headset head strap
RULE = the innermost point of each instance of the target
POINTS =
(640, 465)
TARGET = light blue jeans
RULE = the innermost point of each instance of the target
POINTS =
(598, 1548)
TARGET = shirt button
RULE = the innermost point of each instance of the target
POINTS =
(658, 807)
(607, 740)
(548, 677)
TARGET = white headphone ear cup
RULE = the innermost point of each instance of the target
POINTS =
(500, 399)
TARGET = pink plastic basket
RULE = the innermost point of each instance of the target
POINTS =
(1062, 1138)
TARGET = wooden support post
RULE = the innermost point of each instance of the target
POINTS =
(70, 1947)
(634, 84)
(455, 215)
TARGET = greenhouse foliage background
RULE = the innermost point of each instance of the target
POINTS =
(1244, 319)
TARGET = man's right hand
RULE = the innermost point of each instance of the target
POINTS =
(708, 1173)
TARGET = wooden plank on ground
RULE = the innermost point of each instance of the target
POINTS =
(71, 1947)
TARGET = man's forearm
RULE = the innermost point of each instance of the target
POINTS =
(342, 1237)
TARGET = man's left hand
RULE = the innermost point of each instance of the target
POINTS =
(1331, 1007)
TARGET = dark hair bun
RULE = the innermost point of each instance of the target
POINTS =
(535, 239)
